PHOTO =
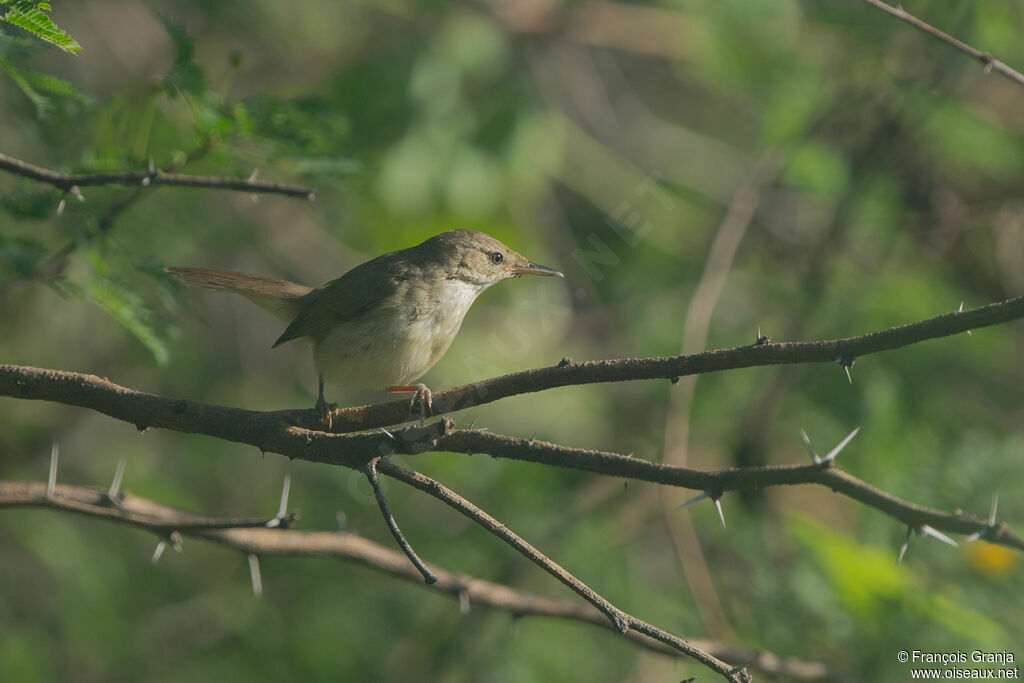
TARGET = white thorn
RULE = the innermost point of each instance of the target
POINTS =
(464, 602)
(961, 310)
(277, 519)
(284, 495)
(387, 432)
(938, 535)
(115, 484)
(842, 444)
(341, 519)
(904, 546)
(693, 500)
(254, 573)
(51, 483)
(849, 377)
(158, 553)
(810, 448)
(60, 206)
(991, 520)
(254, 198)
(721, 515)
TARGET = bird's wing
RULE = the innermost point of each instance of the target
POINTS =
(355, 294)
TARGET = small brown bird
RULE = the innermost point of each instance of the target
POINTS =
(386, 322)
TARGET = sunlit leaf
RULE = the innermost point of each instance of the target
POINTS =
(31, 16)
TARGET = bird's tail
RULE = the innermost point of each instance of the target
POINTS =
(280, 297)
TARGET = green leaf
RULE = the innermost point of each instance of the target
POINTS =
(58, 87)
(45, 92)
(31, 201)
(967, 141)
(818, 167)
(20, 257)
(320, 167)
(41, 103)
(185, 75)
(870, 583)
(127, 308)
(30, 16)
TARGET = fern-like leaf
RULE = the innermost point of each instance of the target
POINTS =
(31, 16)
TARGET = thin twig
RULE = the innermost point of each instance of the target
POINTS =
(371, 474)
(990, 63)
(622, 621)
(157, 517)
(56, 263)
(155, 176)
(716, 482)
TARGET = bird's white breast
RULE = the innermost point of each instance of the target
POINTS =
(399, 342)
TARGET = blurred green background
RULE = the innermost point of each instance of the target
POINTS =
(606, 139)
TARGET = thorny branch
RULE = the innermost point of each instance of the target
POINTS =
(718, 482)
(567, 373)
(622, 621)
(153, 176)
(990, 63)
(280, 432)
(271, 431)
(57, 262)
(253, 536)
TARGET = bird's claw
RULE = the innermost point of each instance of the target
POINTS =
(325, 411)
(425, 399)
(421, 395)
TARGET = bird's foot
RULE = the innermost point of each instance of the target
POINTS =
(421, 395)
(325, 411)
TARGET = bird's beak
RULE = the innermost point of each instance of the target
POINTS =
(534, 269)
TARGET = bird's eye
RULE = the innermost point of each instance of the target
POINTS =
(497, 257)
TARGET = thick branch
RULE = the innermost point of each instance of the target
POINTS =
(271, 431)
(589, 372)
(155, 176)
(247, 536)
(990, 63)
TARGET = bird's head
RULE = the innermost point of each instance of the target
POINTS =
(479, 259)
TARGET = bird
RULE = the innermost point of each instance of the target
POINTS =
(386, 322)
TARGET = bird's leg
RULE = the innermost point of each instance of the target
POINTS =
(421, 395)
(323, 408)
